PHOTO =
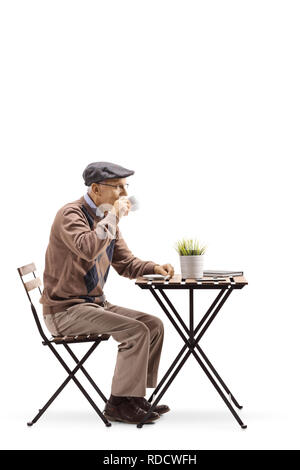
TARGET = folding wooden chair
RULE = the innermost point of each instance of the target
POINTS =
(65, 341)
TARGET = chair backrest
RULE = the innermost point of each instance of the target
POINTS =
(29, 286)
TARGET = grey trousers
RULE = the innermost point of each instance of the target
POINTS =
(140, 336)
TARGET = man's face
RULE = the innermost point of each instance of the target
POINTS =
(109, 190)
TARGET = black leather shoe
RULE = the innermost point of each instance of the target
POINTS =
(145, 405)
(128, 412)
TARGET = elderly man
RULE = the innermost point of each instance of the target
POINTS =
(84, 241)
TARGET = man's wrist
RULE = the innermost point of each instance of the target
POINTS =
(149, 267)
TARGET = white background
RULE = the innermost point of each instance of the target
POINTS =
(201, 99)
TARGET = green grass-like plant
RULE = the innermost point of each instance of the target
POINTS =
(188, 247)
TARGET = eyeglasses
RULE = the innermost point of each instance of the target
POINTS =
(120, 186)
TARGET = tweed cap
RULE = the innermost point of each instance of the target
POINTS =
(100, 171)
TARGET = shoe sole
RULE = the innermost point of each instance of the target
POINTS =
(112, 418)
(163, 412)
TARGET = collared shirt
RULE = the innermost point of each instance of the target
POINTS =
(90, 202)
(98, 212)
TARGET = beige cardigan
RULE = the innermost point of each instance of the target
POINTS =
(77, 260)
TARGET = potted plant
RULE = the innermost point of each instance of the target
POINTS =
(191, 258)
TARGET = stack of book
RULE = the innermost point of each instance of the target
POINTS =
(221, 273)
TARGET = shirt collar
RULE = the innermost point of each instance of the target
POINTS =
(90, 202)
(93, 206)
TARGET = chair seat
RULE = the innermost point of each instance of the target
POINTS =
(77, 339)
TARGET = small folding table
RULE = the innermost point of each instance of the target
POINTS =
(191, 335)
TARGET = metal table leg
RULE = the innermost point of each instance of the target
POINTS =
(191, 342)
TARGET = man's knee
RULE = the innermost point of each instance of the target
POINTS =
(158, 323)
(140, 327)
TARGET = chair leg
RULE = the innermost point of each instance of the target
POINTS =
(71, 376)
(42, 410)
(86, 374)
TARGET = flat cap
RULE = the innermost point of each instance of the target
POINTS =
(100, 171)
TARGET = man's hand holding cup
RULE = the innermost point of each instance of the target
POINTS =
(121, 207)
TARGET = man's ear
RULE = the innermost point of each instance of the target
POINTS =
(96, 189)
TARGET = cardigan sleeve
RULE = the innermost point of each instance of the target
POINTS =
(76, 234)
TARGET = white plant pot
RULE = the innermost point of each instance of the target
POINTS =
(191, 266)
